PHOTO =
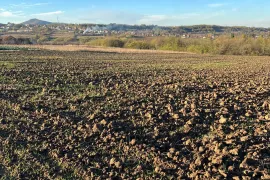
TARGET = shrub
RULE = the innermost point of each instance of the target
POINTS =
(85, 40)
(9, 40)
(63, 40)
(114, 43)
(139, 45)
(174, 44)
(43, 39)
(97, 42)
(195, 49)
(224, 45)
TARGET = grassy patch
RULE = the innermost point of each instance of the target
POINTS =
(7, 65)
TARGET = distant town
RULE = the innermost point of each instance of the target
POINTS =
(35, 26)
(143, 36)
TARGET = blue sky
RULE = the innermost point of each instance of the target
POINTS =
(159, 12)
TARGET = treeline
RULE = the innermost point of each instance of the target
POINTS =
(223, 45)
(197, 29)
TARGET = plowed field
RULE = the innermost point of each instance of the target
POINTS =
(79, 115)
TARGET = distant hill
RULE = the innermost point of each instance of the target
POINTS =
(161, 30)
(193, 29)
(36, 22)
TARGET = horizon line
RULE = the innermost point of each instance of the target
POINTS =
(142, 24)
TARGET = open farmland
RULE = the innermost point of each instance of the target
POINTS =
(83, 114)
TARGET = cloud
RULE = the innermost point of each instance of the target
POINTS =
(27, 5)
(40, 4)
(125, 17)
(214, 14)
(48, 13)
(109, 16)
(171, 20)
(166, 19)
(6, 14)
(257, 23)
(216, 5)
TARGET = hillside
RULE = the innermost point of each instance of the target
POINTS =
(190, 29)
(36, 22)
(194, 29)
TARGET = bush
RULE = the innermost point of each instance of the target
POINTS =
(85, 40)
(96, 42)
(114, 43)
(139, 45)
(63, 40)
(195, 49)
(24, 41)
(223, 45)
(9, 40)
(174, 44)
(43, 39)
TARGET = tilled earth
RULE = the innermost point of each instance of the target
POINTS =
(98, 115)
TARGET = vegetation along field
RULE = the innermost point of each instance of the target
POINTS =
(97, 115)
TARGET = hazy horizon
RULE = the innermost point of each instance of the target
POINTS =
(249, 13)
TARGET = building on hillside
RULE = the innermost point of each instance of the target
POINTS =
(24, 30)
